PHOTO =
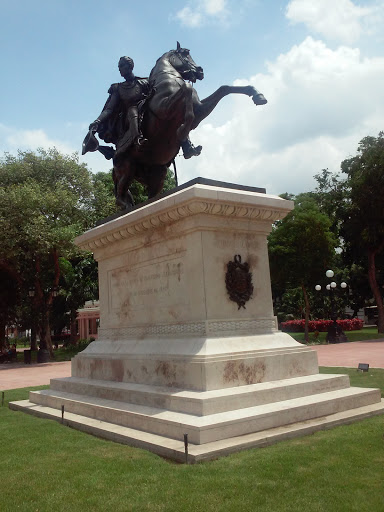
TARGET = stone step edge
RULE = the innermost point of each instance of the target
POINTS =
(200, 358)
(173, 449)
(179, 393)
(194, 422)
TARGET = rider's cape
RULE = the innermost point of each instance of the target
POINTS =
(113, 129)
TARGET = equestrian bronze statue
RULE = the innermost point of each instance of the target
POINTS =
(149, 120)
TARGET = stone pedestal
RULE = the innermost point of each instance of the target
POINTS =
(175, 355)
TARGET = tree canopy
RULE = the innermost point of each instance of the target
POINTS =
(363, 222)
(301, 247)
(46, 200)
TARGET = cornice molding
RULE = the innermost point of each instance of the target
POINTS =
(252, 206)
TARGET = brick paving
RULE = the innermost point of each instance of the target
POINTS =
(16, 375)
(351, 354)
(20, 375)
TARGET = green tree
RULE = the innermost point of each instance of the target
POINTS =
(45, 199)
(9, 298)
(79, 283)
(301, 248)
(104, 196)
(363, 223)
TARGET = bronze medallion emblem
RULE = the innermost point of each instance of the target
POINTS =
(238, 280)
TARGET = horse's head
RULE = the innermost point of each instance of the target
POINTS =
(182, 61)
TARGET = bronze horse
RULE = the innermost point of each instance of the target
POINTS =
(172, 111)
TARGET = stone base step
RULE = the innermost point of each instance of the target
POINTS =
(202, 403)
(174, 449)
(205, 429)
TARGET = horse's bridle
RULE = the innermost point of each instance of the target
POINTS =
(188, 66)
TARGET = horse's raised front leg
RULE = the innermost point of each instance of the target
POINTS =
(202, 108)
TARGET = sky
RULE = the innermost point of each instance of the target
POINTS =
(319, 63)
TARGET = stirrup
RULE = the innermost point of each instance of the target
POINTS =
(140, 141)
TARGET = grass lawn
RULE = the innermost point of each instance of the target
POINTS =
(373, 378)
(61, 354)
(50, 467)
(366, 333)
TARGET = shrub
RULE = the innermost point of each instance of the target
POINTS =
(60, 337)
(353, 324)
(22, 341)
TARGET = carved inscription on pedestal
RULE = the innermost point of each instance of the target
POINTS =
(157, 284)
(248, 243)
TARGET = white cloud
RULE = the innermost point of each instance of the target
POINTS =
(321, 102)
(13, 139)
(189, 17)
(339, 20)
(196, 13)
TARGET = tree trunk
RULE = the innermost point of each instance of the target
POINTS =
(306, 302)
(2, 335)
(375, 288)
(45, 334)
(45, 300)
(33, 337)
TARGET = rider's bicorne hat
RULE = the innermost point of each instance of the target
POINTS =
(90, 143)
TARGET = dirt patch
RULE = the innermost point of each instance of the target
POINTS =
(242, 373)
(117, 370)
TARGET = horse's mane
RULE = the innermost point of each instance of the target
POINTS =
(166, 54)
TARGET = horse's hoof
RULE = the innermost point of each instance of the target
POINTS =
(259, 99)
(191, 151)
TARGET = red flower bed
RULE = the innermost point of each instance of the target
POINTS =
(321, 325)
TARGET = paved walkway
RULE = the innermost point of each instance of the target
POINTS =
(14, 376)
(351, 354)
(20, 375)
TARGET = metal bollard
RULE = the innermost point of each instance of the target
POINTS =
(186, 447)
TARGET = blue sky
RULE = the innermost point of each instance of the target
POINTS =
(320, 63)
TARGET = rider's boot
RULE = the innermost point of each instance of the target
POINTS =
(107, 151)
(189, 150)
(133, 116)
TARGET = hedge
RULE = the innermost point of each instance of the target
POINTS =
(321, 325)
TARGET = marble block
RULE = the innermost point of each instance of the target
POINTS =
(166, 317)
(175, 355)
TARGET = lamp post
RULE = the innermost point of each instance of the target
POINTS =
(31, 293)
(335, 333)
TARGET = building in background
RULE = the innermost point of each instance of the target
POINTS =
(88, 320)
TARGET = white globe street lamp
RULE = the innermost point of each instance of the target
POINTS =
(335, 334)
